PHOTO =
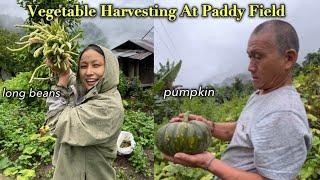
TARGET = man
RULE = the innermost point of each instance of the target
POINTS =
(271, 137)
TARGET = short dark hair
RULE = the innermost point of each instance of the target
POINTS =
(285, 35)
(93, 47)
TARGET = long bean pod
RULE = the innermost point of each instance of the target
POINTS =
(56, 46)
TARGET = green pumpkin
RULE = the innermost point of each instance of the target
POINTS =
(191, 137)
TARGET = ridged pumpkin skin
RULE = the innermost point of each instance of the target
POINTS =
(191, 137)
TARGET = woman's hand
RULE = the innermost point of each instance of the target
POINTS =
(57, 70)
(62, 73)
(194, 117)
(64, 78)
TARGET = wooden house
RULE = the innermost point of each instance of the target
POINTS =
(136, 59)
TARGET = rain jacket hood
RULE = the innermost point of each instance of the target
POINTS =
(110, 78)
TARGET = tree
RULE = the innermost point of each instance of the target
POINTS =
(164, 68)
(237, 85)
(312, 59)
(296, 70)
(9, 61)
(8, 22)
(166, 80)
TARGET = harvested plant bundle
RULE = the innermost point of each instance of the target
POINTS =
(55, 45)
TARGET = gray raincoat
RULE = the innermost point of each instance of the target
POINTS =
(87, 125)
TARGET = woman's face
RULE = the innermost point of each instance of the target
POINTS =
(91, 68)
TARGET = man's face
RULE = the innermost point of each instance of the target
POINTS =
(267, 65)
(91, 68)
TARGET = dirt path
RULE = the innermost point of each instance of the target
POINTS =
(2, 177)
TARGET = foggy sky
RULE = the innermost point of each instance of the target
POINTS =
(119, 30)
(215, 48)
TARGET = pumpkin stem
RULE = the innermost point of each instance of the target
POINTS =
(186, 116)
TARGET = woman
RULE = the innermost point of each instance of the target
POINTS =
(87, 117)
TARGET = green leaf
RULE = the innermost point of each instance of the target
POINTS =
(10, 171)
(4, 163)
(312, 117)
(168, 78)
(24, 157)
(19, 130)
(125, 103)
(28, 173)
(209, 176)
(297, 85)
(29, 150)
(34, 136)
(47, 139)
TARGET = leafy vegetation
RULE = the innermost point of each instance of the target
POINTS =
(8, 60)
(308, 84)
(23, 150)
(123, 84)
(140, 124)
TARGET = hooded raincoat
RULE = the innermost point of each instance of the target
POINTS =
(87, 125)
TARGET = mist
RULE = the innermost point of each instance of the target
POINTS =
(212, 49)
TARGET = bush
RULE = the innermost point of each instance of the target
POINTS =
(123, 84)
(141, 126)
(21, 83)
(8, 60)
(308, 84)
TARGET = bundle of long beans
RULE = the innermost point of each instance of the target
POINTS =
(56, 46)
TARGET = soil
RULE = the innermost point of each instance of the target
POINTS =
(44, 171)
(125, 144)
(2, 177)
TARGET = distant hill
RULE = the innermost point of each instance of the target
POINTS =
(8, 22)
(244, 77)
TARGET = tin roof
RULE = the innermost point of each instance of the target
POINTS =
(146, 44)
(133, 54)
(134, 49)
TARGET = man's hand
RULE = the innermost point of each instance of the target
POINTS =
(215, 166)
(197, 160)
(194, 117)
